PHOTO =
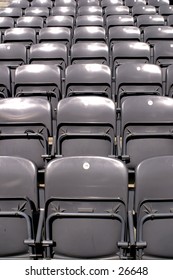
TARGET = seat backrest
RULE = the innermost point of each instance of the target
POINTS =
(86, 125)
(88, 3)
(116, 10)
(61, 21)
(146, 127)
(88, 186)
(88, 79)
(34, 22)
(25, 36)
(49, 53)
(37, 11)
(162, 53)
(132, 3)
(19, 4)
(90, 10)
(149, 20)
(124, 33)
(158, 3)
(63, 11)
(89, 53)
(13, 12)
(106, 3)
(12, 54)
(153, 197)
(138, 79)
(65, 3)
(169, 82)
(89, 20)
(5, 23)
(27, 134)
(41, 3)
(18, 203)
(119, 20)
(154, 34)
(89, 34)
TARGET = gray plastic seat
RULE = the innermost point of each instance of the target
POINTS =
(5, 23)
(49, 53)
(88, 3)
(89, 10)
(88, 79)
(37, 11)
(89, 20)
(146, 128)
(116, 10)
(90, 53)
(39, 80)
(19, 4)
(132, 3)
(119, 20)
(89, 227)
(137, 79)
(162, 54)
(106, 3)
(63, 11)
(89, 34)
(12, 55)
(124, 52)
(154, 34)
(5, 82)
(55, 35)
(26, 134)
(149, 20)
(60, 21)
(65, 3)
(19, 205)
(143, 10)
(30, 21)
(153, 207)
(158, 3)
(85, 126)
(124, 33)
(41, 3)
(13, 12)
(165, 10)
(25, 36)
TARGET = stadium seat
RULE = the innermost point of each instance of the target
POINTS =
(154, 34)
(41, 3)
(137, 79)
(19, 206)
(132, 3)
(89, 10)
(116, 10)
(86, 211)
(89, 34)
(12, 55)
(153, 208)
(23, 4)
(146, 128)
(37, 11)
(65, 3)
(119, 20)
(88, 3)
(169, 81)
(88, 79)
(165, 10)
(49, 53)
(63, 11)
(106, 3)
(26, 134)
(149, 20)
(5, 23)
(55, 35)
(123, 33)
(25, 36)
(158, 3)
(12, 12)
(30, 21)
(143, 10)
(82, 53)
(60, 21)
(89, 20)
(85, 126)
(39, 80)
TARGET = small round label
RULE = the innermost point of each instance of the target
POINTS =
(86, 165)
(150, 102)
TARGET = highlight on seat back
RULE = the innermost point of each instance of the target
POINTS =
(86, 125)
(146, 128)
(25, 125)
(86, 210)
(153, 208)
(19, 204)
